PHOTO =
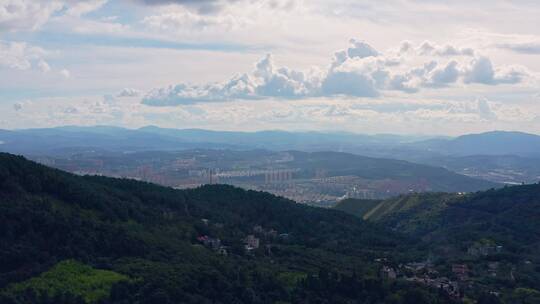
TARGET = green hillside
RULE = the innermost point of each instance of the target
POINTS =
(407, 213)
(510, 213)
(150, 244)
(495, 233)
(357, 207)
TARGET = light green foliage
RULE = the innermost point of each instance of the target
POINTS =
(71, 277)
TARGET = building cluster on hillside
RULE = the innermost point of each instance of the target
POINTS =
(213, 243)
(268, 233)
(484, 249)
(442, 283)
(251, 242)
(424, 273)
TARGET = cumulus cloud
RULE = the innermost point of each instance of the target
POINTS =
(128, 92)
(357, 71)
(349, 83)
(265, 81)
(360, 49)
(430, 49)
(268, 81)
(446, 75)
(481, 70)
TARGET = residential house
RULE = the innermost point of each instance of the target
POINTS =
(251, 242)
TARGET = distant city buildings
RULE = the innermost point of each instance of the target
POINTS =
(278, 176)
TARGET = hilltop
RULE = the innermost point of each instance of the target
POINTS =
(509, 214)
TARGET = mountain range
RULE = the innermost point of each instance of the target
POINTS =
(151, 137)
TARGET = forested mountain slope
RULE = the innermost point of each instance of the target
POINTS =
(159, 245)
(511, 212)
(495, 234)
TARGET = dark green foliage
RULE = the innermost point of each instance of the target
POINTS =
(148, 234)
(357, 207)
(450, 225)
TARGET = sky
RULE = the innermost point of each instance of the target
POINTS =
(429, 67)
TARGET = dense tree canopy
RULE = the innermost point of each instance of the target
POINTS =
(151, 236)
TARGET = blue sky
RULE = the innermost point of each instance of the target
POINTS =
(401, 66)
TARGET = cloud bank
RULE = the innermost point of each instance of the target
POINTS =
(358, 71)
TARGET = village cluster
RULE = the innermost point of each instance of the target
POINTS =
(452, 282)
(251, 242)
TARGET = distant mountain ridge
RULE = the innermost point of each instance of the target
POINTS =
(155, 138)
(496, 148)
(489, 143)
(381, 145)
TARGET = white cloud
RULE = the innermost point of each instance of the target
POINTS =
(401, 115)
(430, 49)
(522, 47)
(484, 109)
(43, 66)
(447, 75)
(481, 70)
(79, 8)
(360, 49)
(225, 38)
(65, 73)
(358, 71)
(129, 92)
(26, 14)
(265, 81)
(19, 55)
(349, 83)
(30, 15)
(184, 20)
